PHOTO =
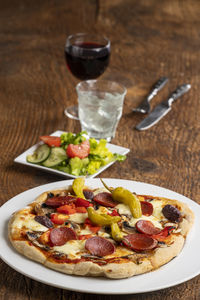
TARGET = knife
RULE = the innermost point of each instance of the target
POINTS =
(144, 107)
(163, 108)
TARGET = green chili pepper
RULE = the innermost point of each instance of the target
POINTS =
(78, 185)
(101, 219)
(116, 232)
(125, 196)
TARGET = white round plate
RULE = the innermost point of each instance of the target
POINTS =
(180, 269)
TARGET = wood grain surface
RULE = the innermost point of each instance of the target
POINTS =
(150, 39)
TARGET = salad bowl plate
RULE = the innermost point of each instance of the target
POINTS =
(21, 159)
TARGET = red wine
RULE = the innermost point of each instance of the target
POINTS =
(87, 60)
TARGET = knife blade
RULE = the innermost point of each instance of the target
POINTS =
(163, 108)
(144, 107)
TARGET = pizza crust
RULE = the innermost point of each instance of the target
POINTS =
(29, 250)
(165, 254)
(110, 270)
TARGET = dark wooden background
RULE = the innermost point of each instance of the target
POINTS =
(150, 38)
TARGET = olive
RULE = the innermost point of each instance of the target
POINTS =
(88, 194)
(44, 220)
(171, 213)
(50, 195)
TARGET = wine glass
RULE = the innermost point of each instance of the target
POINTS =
(87, 57)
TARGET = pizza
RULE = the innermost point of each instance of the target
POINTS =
(110, 232)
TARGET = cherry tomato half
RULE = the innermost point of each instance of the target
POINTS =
(52, 141)
(82, 150)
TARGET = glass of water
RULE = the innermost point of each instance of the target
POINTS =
(100, 105)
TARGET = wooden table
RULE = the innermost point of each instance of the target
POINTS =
(150, 38)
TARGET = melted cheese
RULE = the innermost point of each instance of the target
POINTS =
(103, 210)
(86, 231)
(103, 234)
(100, 190)
(73, 248)
(157, 209)
(27, 221)
(154, 218)
(123, 209)
(119, 252)
(78, 218)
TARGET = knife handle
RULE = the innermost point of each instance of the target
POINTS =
(181, 90)
(157, 87)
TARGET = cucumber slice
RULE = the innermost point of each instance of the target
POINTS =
(56, 156)
(39, 155)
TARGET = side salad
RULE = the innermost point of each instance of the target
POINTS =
(73, 154)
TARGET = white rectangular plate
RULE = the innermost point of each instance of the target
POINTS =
(21, 159)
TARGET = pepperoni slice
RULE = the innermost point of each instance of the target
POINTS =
(59, 236)
(147, 227)
(99, 246)
(59, 200)
(147, 208)
(105, 199)
(139, 242)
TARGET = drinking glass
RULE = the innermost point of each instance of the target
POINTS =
(87, 57)
(100, 105)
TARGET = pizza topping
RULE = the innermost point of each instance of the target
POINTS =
(78, 218)
(146, 227)
(32, 235)
(44, 238)
(42, 209)
(88, 194)
(101, 219)
(59, 219)
(147, 208)
(99, 246)
(78, 185)
(114, 213)
(82, 202)
(161, 236)
(126, 227)
(44, 220)
(91, 226)
(59, 201)
(73, 225)
(123, 195)
(68, 209)
(84, 236)
(116, 232)
(73, 249)
(105, 199)
(139, 242)
(171, 213)
(59, 236)
(50, 195)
